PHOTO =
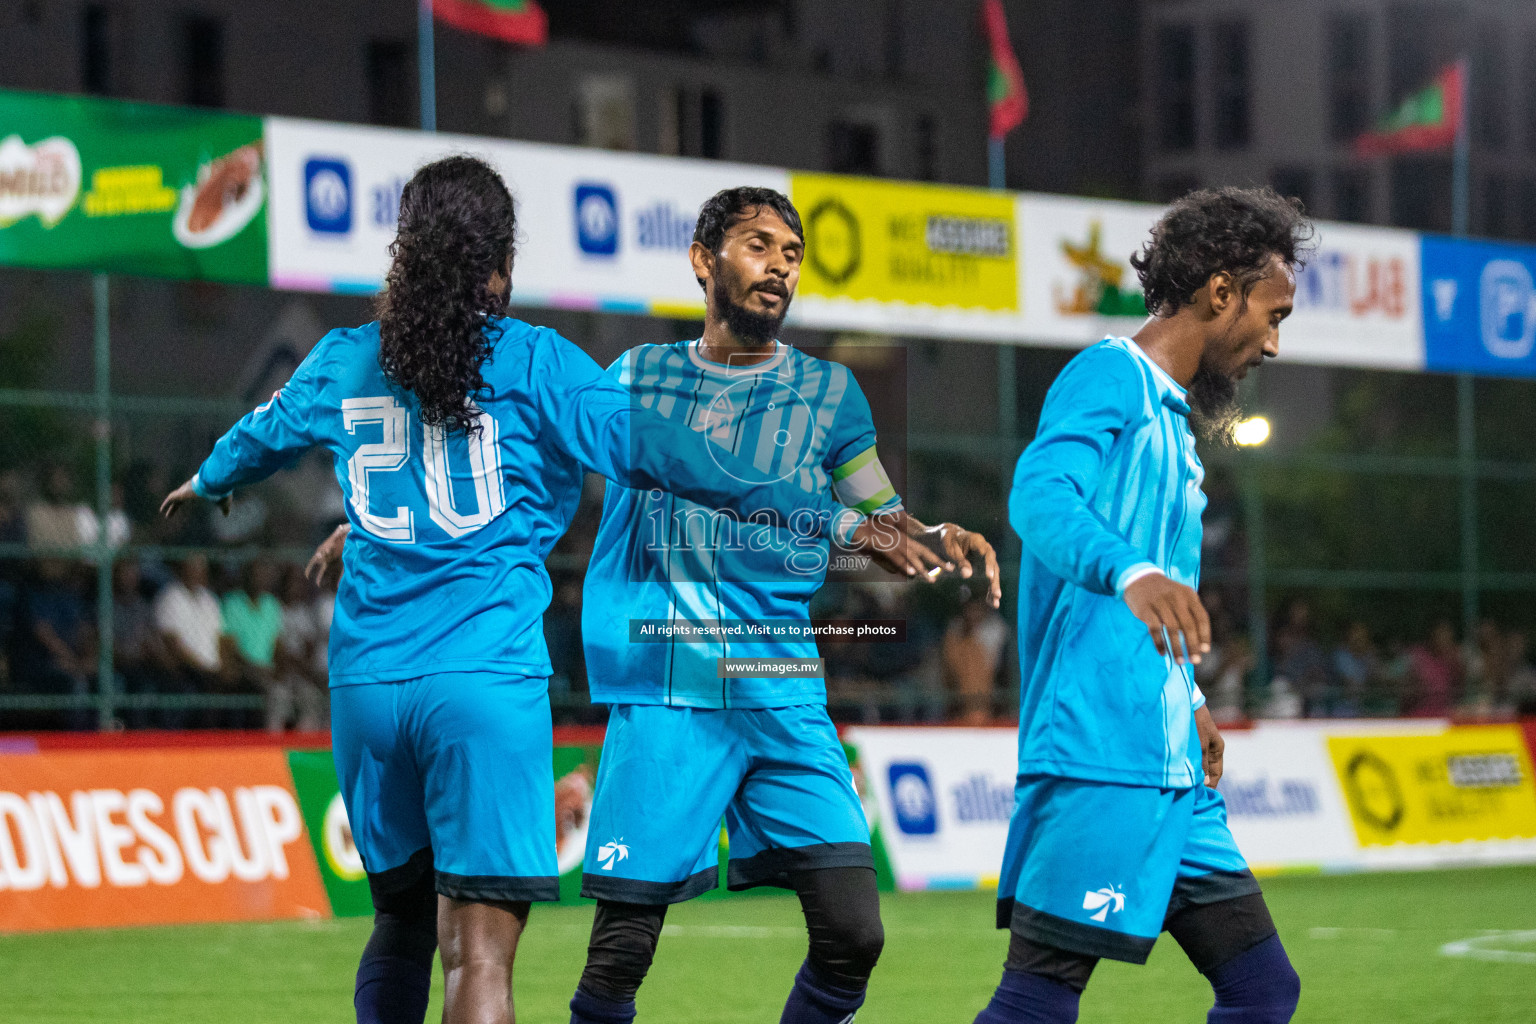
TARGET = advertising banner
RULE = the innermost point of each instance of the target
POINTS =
(1479, 302)
(1283, 800)
(1462, 785)
(596, 229)
(330, 833)
(944, 797)
(152, 837)
(907, 258)
(1356, 300)
(1079, 286)
(96, 184)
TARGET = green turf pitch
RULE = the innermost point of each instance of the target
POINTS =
(1368, 948)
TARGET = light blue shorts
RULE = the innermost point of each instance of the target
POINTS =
(1096, 868)
(452, 774)
(779, 778)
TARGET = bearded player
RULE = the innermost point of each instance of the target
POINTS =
(1118, 832)
(686, 746)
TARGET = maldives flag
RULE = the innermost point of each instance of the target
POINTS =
(1005, 82)
(1427, 120)
(511, 21)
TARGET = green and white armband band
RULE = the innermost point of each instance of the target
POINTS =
(861, 482)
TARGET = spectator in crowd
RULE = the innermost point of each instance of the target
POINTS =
(1522, 676)
(298, 695)
(13, 522)
(1222, 676)
(253, 620)
(1356, 672)
(53, 520)
(972, 652)
(1437, 672)
(59, 638)
(87, 525)
(140, 655)
(1487, 673)
(188, 616)
(1300, 663)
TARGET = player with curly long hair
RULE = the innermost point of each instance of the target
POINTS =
(1118, 832)
(461, 438)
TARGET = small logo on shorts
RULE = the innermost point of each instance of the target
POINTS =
(1103, 901)
(611, 852)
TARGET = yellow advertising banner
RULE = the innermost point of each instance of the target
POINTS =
(890, 241)
(1467, 783)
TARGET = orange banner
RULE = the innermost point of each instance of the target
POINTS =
(91, 839)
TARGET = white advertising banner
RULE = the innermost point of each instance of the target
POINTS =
(597, 230)
(1357, 300)
(944, 798)
(1283, 799)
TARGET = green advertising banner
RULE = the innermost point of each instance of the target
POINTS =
(103, 185)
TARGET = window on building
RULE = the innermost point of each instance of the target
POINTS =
(96, 50)
(1490, 90)
(202, 61)
(391, 75)
(1294, 182)
(926, 149)
(1229, 84)
(1496, 213)
(1175, 95)
(1349, 74)
(1352, 194)
(853, 147)
(711, 125)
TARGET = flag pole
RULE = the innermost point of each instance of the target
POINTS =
(426, 66)
(1461, 158)
(996, 164)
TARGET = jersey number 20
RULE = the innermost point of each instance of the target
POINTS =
(393, 450)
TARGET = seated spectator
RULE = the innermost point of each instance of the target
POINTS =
(1437, 673)
(253, 619)
(1356, 668)
(1222, 676)
(188, 617)
(53, 521)
(972, 653)
(299, 692)
(58, 640)
(140, 655)
(1487, 674)
(1522, 677)
(1299, 658)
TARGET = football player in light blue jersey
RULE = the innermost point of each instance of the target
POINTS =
(1118, 832)
(672, 592)
(460, 440)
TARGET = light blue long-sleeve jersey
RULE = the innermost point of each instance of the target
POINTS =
(1109, 487)
(444, 568)
(792, 417)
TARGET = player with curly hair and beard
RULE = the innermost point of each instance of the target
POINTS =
(460, 439)
(1118, 832)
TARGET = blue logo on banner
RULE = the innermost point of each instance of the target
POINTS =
(1479, 307)
(917, 812)
(597, 220)
(328, 195)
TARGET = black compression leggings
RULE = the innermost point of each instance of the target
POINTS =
(842, 919)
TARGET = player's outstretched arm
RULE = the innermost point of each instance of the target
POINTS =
(594, 419)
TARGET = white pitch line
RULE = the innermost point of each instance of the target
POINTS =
(1479, 948)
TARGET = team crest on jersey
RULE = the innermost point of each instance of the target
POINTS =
(1103, 901)
(715, 421)
(611, 853)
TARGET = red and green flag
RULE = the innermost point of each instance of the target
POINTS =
(512, 21)
(1006, 97)
(1426, 121)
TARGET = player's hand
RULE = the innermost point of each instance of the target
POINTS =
(1212, 746)
(960, 545)
(884, 538)
(184, 495)
(324, 565)
(1173, 615)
